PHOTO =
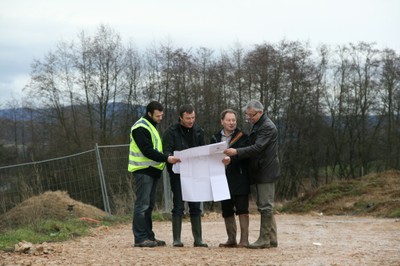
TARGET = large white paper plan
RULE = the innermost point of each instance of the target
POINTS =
(203, 173)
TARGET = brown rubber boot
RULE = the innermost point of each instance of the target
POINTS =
(230, 225)
(244, 230)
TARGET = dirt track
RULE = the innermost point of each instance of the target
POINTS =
(303, 240)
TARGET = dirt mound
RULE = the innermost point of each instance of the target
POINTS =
(54, 205)
(376, 194)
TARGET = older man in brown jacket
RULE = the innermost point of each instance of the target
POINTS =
(264, 169)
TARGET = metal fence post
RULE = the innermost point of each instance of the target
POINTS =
(167, 197)
(102, 182)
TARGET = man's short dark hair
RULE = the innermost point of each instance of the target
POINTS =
(154, 105)
(186, 108)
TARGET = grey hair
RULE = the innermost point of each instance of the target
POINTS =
(254, 105)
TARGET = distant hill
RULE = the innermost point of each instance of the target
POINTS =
(25, 114)
(20, 114)
(13, 119)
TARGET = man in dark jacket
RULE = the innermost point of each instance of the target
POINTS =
(180, 136)
(264, 169)
(146, 162)
(238, 182)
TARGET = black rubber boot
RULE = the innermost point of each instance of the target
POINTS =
(176, 231)
(196, 230)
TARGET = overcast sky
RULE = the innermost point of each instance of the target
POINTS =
(29, 29)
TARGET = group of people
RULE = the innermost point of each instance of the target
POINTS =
(251, 159)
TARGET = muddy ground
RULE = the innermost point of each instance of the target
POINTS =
(311, 239)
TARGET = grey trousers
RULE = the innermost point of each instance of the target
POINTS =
(265, 197)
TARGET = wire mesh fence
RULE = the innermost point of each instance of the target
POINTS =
(98, 177)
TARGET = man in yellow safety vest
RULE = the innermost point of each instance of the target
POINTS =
(146, 162)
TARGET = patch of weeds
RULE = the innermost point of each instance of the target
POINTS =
(45, 231)
(61, 230)
(335, 191)
(9, 238)
(326, 194)
(111, 219)
(159, 216)
(362, 206)
(395, 213)
(296, 207)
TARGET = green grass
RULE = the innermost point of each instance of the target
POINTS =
(46, 231)
(56, 231)
(395, 213)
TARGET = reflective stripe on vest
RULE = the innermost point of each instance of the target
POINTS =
(137, 160)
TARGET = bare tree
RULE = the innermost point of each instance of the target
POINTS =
(107, 52)
(84, 64)
(237, 73)
(48, 87)
(132, 94)
(390, 96)
(365, 65)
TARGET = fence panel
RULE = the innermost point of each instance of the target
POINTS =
(79, 175)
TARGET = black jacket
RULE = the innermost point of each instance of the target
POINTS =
(174, 140)
(236, 171)
(263, 150)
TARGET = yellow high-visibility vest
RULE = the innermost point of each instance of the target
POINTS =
(137, 160)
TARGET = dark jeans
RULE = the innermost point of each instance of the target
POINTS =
(237, 204)
(179, 206)
(142, 224)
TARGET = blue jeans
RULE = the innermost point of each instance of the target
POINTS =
(179, 206)
(142, 224)
(265, 197)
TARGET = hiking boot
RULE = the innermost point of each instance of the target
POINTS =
(274, 244)
(159, 242)
(146, 244)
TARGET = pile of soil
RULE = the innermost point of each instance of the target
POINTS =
(375, 194)
(55, 205)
